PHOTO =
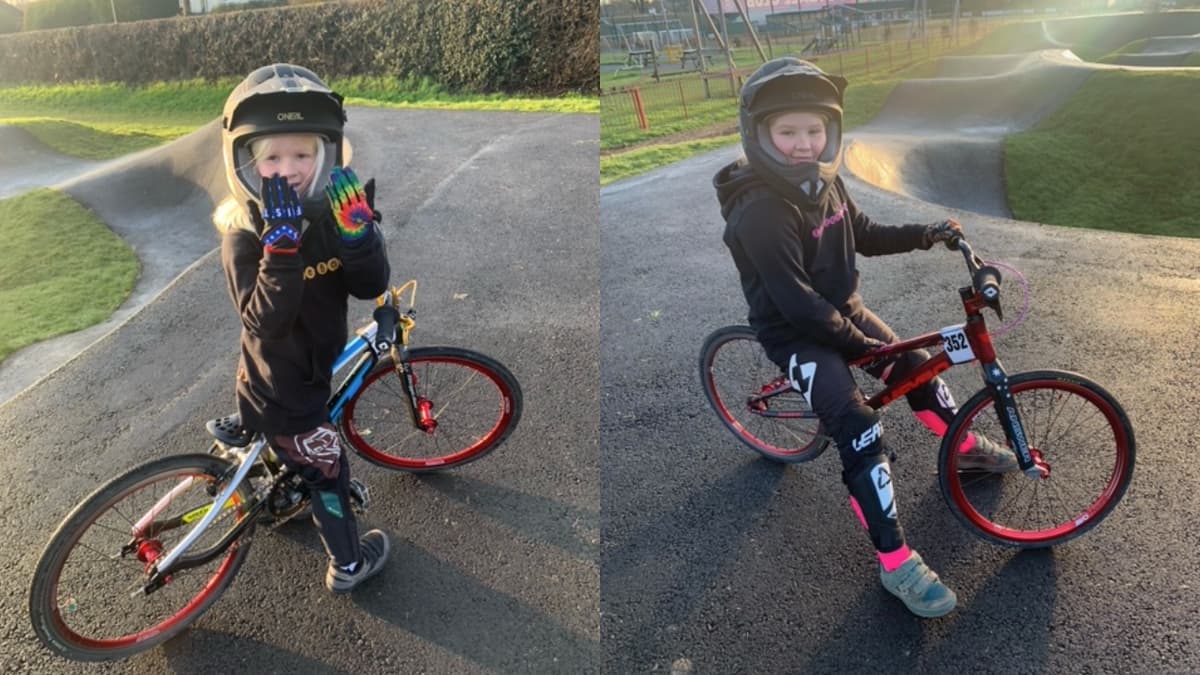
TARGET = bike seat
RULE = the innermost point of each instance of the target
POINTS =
(229, 430)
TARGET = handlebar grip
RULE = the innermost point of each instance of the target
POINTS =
(952, 242)
(385, 317)
(987, 282)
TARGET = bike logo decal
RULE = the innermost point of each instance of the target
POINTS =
(958, 348)
(1018, 433)
(881, 478)
(868, 437)
(801, 377)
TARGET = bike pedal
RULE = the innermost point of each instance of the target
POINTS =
(360, 496)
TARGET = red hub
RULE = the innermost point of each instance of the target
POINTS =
(425, 418)
(148, 552)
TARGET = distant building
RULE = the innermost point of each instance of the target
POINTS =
(206, 6)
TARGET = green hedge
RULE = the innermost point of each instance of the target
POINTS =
(10, 18)
(544, 48)
(60, 13)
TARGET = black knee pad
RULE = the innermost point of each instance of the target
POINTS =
(870, 483)
(859, 433)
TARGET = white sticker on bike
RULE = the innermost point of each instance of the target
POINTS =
(954, 341)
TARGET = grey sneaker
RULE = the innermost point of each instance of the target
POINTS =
(919, 588)
(374, 547)
(986, 455)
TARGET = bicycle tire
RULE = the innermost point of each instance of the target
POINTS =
(54, 605)
(980, 501)
(729, 389)
(377, 424)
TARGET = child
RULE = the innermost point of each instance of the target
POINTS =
(299, 237)
(793, 232)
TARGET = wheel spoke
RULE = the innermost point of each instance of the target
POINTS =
(92, 592)
(1068, 422)
(468, 394)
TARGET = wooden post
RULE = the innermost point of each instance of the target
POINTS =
(750, 30)
(699, 39)
(682, 99)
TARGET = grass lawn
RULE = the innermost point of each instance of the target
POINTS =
(863, 101)
(92, 268)
(102, 121)
(67, 274)
(1120, 155)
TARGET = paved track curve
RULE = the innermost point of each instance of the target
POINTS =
(494, 566)
(941, 139)
(714, 561)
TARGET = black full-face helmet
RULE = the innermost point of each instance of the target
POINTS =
(789, 84)
(280, 99)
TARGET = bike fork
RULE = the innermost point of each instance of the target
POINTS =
(419, 409)
(1010, 418)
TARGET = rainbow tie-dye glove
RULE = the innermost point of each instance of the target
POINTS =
(351, 204)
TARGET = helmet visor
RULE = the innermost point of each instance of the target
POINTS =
(305, 159)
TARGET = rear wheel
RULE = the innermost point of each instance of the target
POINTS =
(1081, 442)
(755, 401)
(85, 601)
(467, 406)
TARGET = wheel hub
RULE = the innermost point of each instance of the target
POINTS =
(425, 418)
(149, 551)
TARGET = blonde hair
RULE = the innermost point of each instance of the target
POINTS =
(230, 215)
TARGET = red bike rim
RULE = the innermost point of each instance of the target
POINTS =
(1101, 504)
(486, 441)
(742, 431)
(214, 583)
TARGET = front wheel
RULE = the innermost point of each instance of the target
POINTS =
(467, 404)
(1081, 442)
(85, 601)
(754, 399)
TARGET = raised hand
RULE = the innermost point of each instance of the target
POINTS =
(351, 205)
(280, 215)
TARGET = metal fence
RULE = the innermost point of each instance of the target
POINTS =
(637, 108)
(690, 99)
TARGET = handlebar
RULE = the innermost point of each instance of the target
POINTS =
(984, 278)
(385, 317)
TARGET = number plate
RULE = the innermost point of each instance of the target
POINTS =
(954, 341)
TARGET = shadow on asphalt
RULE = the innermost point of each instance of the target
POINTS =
(573, 530)
(878, 633)
(449, 607)
(708, 528)
(202, 651)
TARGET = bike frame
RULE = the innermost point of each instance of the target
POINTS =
(961, 344)
(364, 351)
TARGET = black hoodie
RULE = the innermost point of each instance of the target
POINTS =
(293, 311)
(798, 267)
